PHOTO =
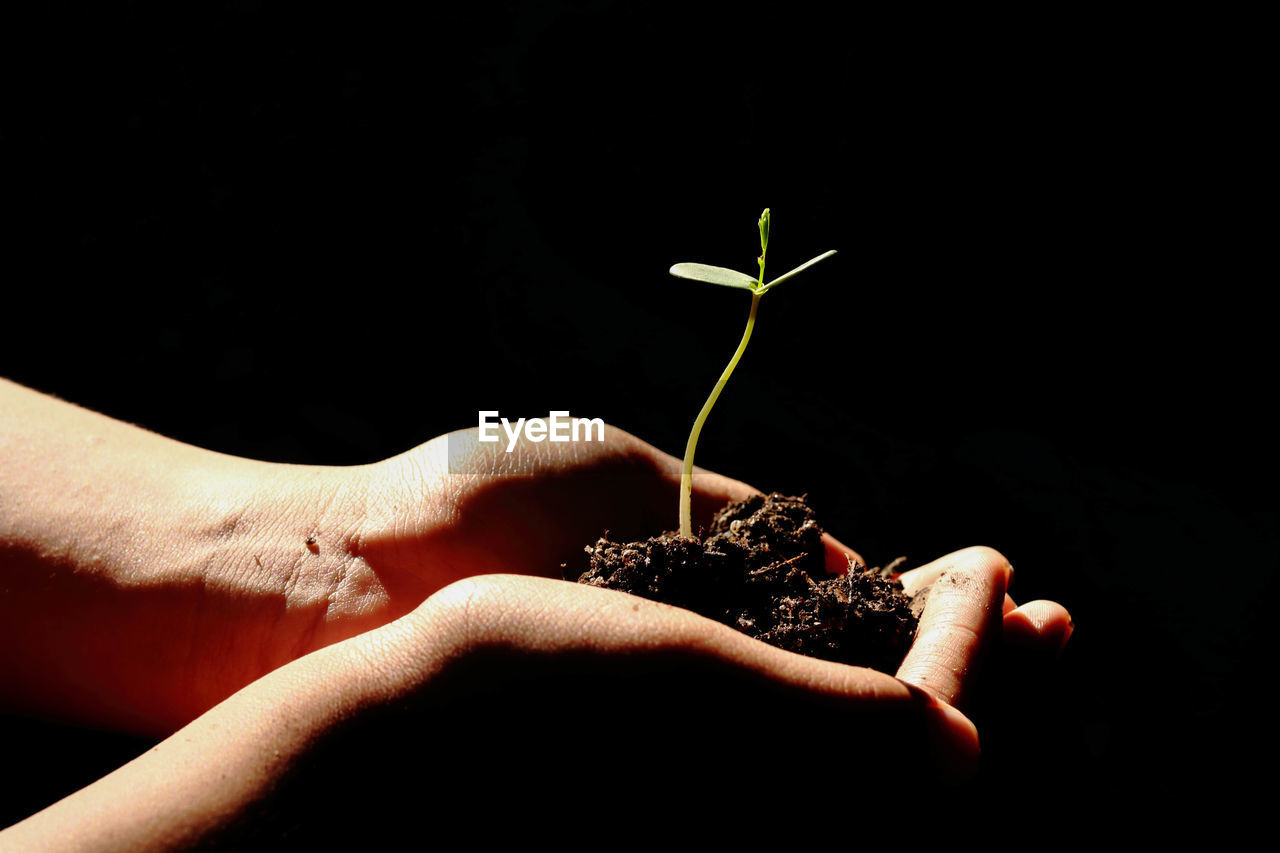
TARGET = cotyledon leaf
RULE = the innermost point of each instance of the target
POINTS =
(714, 275)
(780, 279)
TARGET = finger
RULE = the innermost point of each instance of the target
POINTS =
(954, 739)
(656, 498)
(479, 509)
(1039, 625)
(1043, 625)
(839, 554)
(914, 580)
(960, 618)
(711, 491)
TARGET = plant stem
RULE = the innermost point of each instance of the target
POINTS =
(686, 473)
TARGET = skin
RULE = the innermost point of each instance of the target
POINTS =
(266, 619)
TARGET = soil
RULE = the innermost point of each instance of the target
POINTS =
(761, 568)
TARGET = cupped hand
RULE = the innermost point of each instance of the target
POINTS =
(519, 687)
(455, 507)
(513, 694)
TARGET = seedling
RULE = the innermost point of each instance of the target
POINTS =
(726, 278)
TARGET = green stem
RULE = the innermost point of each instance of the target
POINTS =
(686, 473)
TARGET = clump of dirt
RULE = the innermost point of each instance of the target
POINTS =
(761, 568)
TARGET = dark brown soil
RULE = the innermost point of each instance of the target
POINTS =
(761, 568)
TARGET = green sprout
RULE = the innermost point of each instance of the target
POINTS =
(727, 278)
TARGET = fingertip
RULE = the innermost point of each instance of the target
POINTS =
(956, 746)
(913, 579)
(977, 558)
(838, 555)
(1039, 624)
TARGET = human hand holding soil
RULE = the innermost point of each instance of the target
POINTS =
(207, 574)
(480, 510)
(512, 689)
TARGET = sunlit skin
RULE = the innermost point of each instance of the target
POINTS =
(147, 581)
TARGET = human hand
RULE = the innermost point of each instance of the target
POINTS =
(208, 571)
(519, 692)
(454, 507)
(534, 662)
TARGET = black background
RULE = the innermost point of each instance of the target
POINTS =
(325, 234)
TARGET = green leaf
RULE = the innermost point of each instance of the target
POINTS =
(780, 279)
(714, 275)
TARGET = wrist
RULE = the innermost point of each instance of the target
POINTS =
(144, 603)
(142, 579)
(281, 569)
